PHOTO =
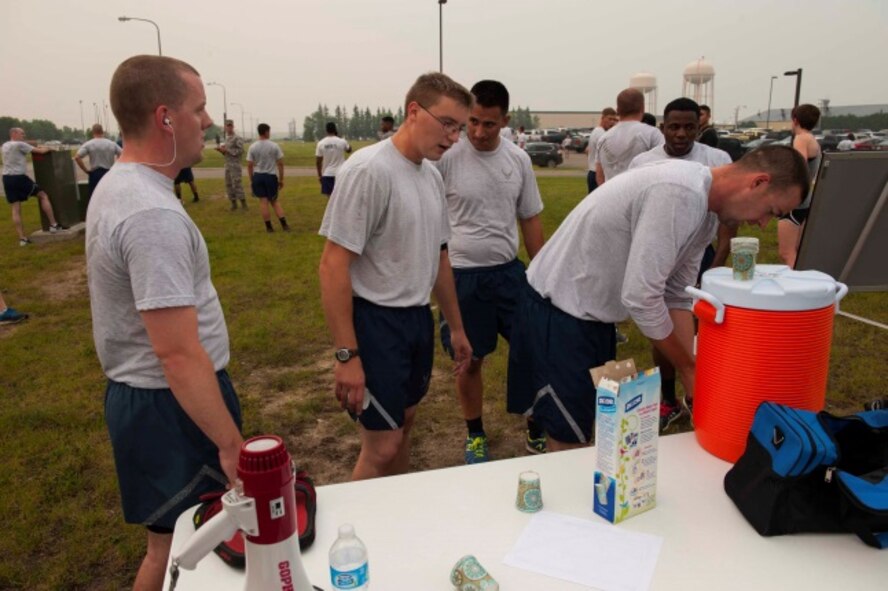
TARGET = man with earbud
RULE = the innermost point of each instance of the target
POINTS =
(172, 413)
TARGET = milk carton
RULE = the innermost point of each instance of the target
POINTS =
(627, 421)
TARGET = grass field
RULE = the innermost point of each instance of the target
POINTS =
(62, 521)
(295, 154)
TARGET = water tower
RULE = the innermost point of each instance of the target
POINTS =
(699, 82)
(647, 84)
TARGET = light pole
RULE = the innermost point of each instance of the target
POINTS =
(737, 115)
(441, 4)
(96, 112)
(252, 127)
(241, 107)
(798, 75)
(82, 125)
(224, 101)
(123, 19)
(770, 92)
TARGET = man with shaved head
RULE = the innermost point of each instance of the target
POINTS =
(627, 139)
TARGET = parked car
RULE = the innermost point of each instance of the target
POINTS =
(732, 146)
(828, 143)
(544, 154)
(554, 136)
(882, 146)
(867, 144)
(579, 142)
(757, 143)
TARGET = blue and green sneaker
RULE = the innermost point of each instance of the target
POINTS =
(476, 448)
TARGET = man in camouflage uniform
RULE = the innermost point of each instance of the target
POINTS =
(233, 149)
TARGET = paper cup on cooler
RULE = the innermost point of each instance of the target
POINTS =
(743, 252)
(530, 497)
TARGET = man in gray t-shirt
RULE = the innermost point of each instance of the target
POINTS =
(264, 158)
(681, 120)
(386, 252)
(18, 186)
(172, 414)
(102, 153)
(627, 139)
(491, 191)
(608, 119)
(629, 250)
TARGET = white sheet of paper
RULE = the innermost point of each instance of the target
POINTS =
(598, 555)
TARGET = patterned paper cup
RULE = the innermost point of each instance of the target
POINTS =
(530, 497)
(469, 575)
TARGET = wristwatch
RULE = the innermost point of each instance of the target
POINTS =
(343, 355)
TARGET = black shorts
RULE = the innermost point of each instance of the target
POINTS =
(18, 187)
(591, 181)
(797, 216)
(327, 183)
(164, 461)
(488, 298)
(265, 185)
(185, 176)
(550, 356)
(397, 347)
(95, 175)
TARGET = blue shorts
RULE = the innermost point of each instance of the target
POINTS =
(591, 180)
(18, 187)
(488, 298)
(327, 183)
(550, 356)
(397, 347)
(95, 175)
(265, 185)
(164, 461)
(185, 176)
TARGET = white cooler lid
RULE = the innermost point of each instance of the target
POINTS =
(774, 287)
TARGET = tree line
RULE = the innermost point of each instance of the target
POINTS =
(362, 123)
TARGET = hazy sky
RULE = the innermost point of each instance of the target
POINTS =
(280, 58)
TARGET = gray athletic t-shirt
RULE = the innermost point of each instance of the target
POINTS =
(332, 149)
(15, 157)
(486, 192)
(594, 138)
(264, 155)
(143, 253)
(101, 152)
(630, 248)
(623, 142)
(393, 214)
(701, 153)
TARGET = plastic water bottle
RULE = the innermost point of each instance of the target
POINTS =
(348, 561)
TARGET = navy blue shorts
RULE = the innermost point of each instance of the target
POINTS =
(164, 461)
(18, 187)
(488, 298)
(591, 180)
(550, 356)
(95, 175)
(265, 185)
(397, 346)
(327, 183)
(185, 176)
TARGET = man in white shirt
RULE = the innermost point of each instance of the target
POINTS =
(608, 119)
(329, 156)
(18, 186)
(847, 144)
(491, 191)
(386, 252)
(629, 250)
(101, 151)
(627, 139)
(522, 137)
(681, 121)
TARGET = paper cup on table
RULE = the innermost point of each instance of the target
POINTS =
(530, 497)
(743, 252)
(469, 575)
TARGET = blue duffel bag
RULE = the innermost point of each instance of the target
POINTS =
(814, 472)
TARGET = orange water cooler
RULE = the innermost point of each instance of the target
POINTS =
(767, 339)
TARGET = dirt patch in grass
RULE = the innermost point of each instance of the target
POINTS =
(68, 283)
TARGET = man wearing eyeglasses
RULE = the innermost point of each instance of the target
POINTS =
(387, 231)
(491, 191)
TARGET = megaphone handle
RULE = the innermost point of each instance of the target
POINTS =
(215, 531)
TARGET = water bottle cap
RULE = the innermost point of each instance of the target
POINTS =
(346, 530)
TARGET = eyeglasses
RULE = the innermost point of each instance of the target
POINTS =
(449, 126)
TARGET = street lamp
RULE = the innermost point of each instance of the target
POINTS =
(123, 19)
(224, 101)
(798, 75)
(96, 112)
(252, 127)
(241, 107)
(737, 114)
(82, 125)
(441, 4)
(770, 92)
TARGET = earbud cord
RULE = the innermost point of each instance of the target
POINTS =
(171, 160)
